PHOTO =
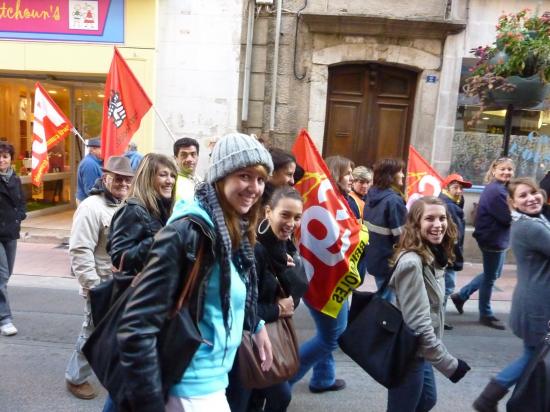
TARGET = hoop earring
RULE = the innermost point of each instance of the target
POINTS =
(260, 230)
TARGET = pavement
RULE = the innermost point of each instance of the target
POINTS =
(48, 313)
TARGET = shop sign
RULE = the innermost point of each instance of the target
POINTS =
(100, 21)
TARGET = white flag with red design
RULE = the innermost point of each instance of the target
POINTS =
(50, 126)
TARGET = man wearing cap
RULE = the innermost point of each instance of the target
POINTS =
(451, 194)
(90, 261)
(89, 170)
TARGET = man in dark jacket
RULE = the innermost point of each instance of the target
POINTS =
(453, 187)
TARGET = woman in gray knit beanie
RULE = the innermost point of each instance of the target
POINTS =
(216, 233)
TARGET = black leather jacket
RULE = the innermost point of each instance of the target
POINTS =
(170, 260)
(293, 281)
(131, 235)
(12, 208)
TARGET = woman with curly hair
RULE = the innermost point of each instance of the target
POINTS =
(424, 250)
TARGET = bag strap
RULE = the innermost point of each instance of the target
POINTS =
(387, 281)
(191, 281)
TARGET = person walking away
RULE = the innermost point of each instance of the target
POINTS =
(186, 153)
(424, 250)
(317, 352)
(89, 170)
(384, 214)
(90, 261)
(453, 187)
(13, 211)
(279, 266)
(133, 156)
(530, 312)
(144, 213)
(492, 233)
(222, 218)
(362, 181)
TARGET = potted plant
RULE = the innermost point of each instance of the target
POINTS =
(515, 70)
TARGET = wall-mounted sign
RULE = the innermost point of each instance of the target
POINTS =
(63, 20)
(431, 78)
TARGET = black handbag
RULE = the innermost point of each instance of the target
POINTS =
(378, 339)
(532, 391)
(104, 295)
(177, 341)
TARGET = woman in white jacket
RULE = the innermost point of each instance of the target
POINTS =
(424, 249)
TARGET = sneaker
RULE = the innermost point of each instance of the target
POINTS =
(446, 326)
(338, 385)
(492, 322)
(8, 329)
(458, 302)
(83, 391)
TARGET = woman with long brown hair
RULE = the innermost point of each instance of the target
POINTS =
(424, 250)
(222, 219)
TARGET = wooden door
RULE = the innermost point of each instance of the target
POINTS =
(369, 112)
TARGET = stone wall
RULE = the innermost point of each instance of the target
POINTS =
(199, 52)
(302, 103)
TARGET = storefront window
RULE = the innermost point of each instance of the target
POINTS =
(475, 146)
(82, 104)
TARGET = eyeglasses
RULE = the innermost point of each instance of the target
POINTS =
(120, 179)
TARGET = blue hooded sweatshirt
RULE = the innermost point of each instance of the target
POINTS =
(493, 218)
(384, 215)
(207, 372)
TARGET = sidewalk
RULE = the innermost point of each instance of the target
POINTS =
(54, 228)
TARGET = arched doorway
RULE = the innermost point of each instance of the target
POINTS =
(369, 112)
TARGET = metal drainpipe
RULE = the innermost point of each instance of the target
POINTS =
(248, 60)
(275, 66)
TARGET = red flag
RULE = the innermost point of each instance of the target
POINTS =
(50, 126)
(124, 105)
(422, 179)
(331, 239)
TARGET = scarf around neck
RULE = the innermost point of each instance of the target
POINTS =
(6, 176)
(243, 258)
(276, 250)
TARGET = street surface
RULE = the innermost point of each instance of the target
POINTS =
(48, 313)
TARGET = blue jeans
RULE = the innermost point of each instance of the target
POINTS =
(492, 269)
(450, 282)
(508, 376)
(316, 353)
(7, 259)
(417, 391)
(109, 405)
(387, 294)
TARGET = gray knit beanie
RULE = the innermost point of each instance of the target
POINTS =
(235, 151)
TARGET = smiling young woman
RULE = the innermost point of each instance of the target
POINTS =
(424, 250)
(222, 218)
(530, 242)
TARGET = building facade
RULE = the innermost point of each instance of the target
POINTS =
(365, 77)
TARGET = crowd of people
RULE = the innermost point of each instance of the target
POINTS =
(230, 239)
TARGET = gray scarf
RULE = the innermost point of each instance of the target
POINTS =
(243, 258)
(6, 176)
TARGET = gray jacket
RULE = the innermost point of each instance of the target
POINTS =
(530, 314)
(420, 294)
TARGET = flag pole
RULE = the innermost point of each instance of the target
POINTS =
(78, 134)
(164, 123)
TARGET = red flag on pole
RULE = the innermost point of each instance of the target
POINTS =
(124, 105)
(50, 126)
(331, 239)
(422, 179)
